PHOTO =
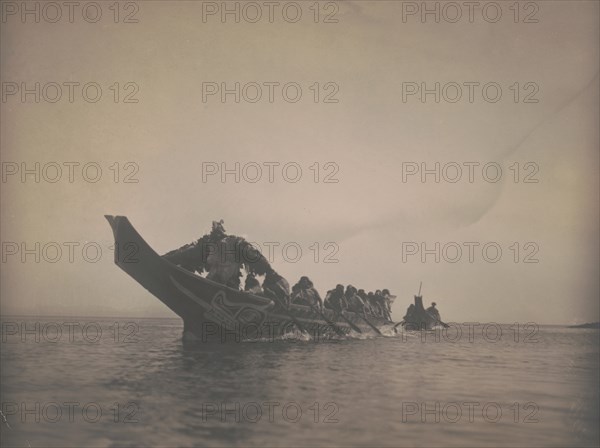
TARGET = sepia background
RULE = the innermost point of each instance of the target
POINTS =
(369, 133)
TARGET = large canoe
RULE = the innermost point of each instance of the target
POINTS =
(214, 312)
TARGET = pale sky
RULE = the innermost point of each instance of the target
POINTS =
(369, 133)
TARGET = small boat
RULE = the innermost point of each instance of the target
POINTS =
(419, 318)
(214, 312)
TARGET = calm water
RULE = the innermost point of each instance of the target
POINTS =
(386, 391)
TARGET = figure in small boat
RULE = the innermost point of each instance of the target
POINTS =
(409, 316)
(433, 311)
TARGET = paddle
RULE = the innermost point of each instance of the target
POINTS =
(399, 323)
(363, 318)
(445, 325)
(354, 327)
(337, 329)
(288, 312)
(369, 323)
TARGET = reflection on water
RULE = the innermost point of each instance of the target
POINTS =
(145, 387)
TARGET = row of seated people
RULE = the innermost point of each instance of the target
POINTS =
(358, 301)
(376, 303)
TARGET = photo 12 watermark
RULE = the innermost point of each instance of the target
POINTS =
(270, 12)
(270, 92)
(470, 92)
(65, 92)
(73, 332)
(70, 411)
(470, 12)
(69, 12)
(71, 172)
(289, 252)
(469, 172)
(68, 252)
(271, 411)
(254, 172)
(473, 333)
(232, 331)
(228, 332)
(254, 252)
(469, 412)
(469, 251)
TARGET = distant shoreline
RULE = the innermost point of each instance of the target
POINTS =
(588, 325)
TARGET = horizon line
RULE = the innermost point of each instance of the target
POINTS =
(3, 316)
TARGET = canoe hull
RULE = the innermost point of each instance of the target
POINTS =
(420, 319)
(211, 311)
